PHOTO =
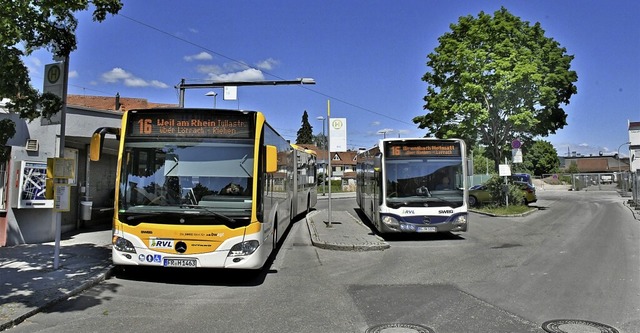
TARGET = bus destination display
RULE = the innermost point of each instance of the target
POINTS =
(188, 124)
(428, 149)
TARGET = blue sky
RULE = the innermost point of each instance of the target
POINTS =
(367, 58)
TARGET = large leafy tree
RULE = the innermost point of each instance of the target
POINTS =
(541, 158)
(305, 133)
(494, 79)
(28, 25)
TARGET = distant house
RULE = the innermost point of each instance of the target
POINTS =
(27, 215)
(634, 146)
(596, 164)
(116, 103)
(343, 165)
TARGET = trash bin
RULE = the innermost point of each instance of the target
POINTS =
(85, 210)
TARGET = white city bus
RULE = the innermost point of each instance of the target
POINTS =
(414, 185)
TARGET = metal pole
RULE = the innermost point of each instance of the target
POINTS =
(181, 96)
(324, 165)
(329, 161)
(620, 169)
(324, 179)
(63, 118)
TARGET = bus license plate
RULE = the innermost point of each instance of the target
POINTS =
(427, 229)
(191, 263)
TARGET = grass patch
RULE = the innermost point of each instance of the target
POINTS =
(503, 210)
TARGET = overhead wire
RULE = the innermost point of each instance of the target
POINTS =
(333, 98)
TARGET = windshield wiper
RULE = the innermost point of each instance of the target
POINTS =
(209, 212)
(138, 215)
(175, 159)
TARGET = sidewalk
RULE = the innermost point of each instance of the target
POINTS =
(345, 233)
(28, 282)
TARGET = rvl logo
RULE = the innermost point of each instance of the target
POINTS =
(161, 243)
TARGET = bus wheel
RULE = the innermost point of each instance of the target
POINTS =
(473, 201)
(275, 233)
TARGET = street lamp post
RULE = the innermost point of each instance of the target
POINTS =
(214, 94)
(324, 178)
(384, 132)
(619, 169)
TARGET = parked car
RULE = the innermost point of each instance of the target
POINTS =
(522, 177)
(479, 194)
(606, 179)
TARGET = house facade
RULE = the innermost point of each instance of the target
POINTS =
(343, 165)
(634, 145)
(26, 215)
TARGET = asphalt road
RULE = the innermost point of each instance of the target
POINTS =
(575, 258)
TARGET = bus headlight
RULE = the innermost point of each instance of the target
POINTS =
(123, 245)
(390, 221)
(244, 248)
(460, 219)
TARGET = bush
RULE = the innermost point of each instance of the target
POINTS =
(495, 186)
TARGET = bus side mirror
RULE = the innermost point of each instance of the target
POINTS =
(97, 140)
(377, 162)
(272, 159)
(96, 146)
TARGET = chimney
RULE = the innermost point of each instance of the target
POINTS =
(117, 101)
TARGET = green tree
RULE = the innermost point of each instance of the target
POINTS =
(305, 133)
(320, 140)
(28, 25)
(496, 78)
(480, 161)
(573, 168)
(541, 158)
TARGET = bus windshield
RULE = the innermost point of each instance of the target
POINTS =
(203, 177)
(423, 182)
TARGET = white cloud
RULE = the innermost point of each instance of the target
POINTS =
(375, 123)
(135, 82)
(267, 64)
(158, 84)
(34, 65)
(117, 75)
(202, 56)
(193, 30)
(209, 69)
(73, 74)
(250, 74)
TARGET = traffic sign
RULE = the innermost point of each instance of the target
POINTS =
(54, 78)
(516, 144)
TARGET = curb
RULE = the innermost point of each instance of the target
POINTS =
(529, 212)
(634, 210)
(315, 239)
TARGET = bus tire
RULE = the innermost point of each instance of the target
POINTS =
(275, 233)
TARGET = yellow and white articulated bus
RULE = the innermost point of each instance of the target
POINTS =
(414, 185)
(204, 188)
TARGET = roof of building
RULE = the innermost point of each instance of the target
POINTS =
(597, 163)
(109, 102)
